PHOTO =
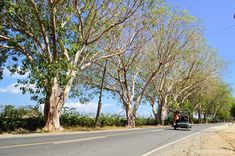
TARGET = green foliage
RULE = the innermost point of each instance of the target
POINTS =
(73, 119)
(30, 119)
(49, 44)
(168, 120)
(12, 118)
(52, 47)
(187, 109)
(141, 121)
(111, 120)
(3, 56)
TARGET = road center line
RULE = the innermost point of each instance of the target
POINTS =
(52, 142)
(78, 140)
(72, 140)
(157, 130)
(25, 145)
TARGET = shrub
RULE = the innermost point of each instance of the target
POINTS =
(12, 118)
(29, 118)
(141, 121)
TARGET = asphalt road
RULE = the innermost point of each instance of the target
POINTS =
(135, 142)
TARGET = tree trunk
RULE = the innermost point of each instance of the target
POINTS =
(159, 115)
(164, 113)
(154, 110)
(100, 97)
(52, 119)
(161, 112)
(55, 100)
(199, 116)
(205, 118)
(130, 116)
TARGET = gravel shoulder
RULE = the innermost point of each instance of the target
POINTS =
(216, 141)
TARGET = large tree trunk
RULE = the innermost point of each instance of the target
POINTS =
(161, 112)
(55, 100)
(164, 113)
(52, 118)
(130, 116)
(154, 110)
(159, 115)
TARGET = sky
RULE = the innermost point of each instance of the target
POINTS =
(219, 25)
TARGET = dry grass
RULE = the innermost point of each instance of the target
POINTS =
(72, 129)
(79, 128)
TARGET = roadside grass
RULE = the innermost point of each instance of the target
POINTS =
(79, 128)
(71, 129)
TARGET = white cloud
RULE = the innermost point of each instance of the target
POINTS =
(11, 89)
(85, 108)
(90, 107)
(7, 73)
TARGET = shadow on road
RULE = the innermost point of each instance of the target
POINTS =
(172, 129)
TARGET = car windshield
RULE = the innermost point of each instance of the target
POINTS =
(184, 118)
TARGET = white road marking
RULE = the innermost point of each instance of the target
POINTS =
(159, 148)
(73, 140)
(25, 145)
(78, 140)
(156, 130)
(52, 142)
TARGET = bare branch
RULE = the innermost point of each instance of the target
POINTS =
(42, 27)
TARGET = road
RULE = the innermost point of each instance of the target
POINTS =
(135, 142)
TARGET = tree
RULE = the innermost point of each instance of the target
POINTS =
(123, 69)
(101, 91)
(54, 41)
(173, 34)
(217, 100)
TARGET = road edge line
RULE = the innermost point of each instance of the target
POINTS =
(188, 136)
(159, 148)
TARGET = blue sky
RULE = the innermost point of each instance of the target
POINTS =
(219, 24)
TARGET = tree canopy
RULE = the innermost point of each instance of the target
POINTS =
(154, 51)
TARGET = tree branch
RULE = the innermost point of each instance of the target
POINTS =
(42, 28)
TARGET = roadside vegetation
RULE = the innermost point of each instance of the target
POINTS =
(139, 51)
(28, 119)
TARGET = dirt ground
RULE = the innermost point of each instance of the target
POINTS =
(217, 141)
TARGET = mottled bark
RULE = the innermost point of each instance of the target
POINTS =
(130, 116)
(161, 112)
(154, 110)
(55, 100)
